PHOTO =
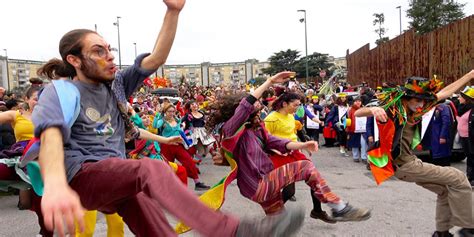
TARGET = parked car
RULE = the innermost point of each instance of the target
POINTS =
(171, 94)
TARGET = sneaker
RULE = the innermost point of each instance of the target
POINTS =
(345, 154)
(350, 213)
(201, 186)
(322, 216)
(466, 232)
(293, 199)
(287, 223)
(356, 160)
(442, 234)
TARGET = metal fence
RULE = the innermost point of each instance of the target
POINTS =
(447, 52)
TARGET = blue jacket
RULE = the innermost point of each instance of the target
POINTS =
(439, 127)
(369, 128)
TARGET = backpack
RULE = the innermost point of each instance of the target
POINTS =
(70, 102)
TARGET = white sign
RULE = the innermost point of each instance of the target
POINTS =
(360, 124)
(426, 118)
(310, 123)
(376, 130)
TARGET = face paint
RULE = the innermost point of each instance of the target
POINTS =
(415, 106)
(102, 63)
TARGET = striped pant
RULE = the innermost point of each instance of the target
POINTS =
(268, 193)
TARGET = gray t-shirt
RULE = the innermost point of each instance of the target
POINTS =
(98, 132)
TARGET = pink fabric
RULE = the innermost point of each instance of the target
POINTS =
(463, 127)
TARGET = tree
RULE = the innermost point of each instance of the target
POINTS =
(281, 61)
(316, 63)
(429, 15)
(380, 20)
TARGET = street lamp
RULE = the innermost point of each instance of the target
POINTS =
(8, 73)
(135, 44)
(118, 33)
(305, 42)
(400, 13)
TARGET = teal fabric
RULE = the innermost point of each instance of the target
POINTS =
(69, 99)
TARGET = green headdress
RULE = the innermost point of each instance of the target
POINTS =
(415, 87)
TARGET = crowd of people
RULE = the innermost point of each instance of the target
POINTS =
(129, 153)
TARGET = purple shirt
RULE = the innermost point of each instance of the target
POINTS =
(250, 153)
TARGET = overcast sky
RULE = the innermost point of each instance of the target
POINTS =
(209, 30)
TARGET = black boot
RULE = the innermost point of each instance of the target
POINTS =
(442, 234)
(466, 232)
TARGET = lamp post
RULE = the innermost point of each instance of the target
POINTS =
(305, 43)
(8, 70)
(118, 34)
(400, 14)
(135, 44)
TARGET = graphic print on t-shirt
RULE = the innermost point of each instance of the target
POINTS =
(103, 125)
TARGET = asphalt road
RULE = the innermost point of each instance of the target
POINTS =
(398, 208)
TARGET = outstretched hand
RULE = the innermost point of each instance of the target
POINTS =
(61, 208)
(311, 146)
(379, 114)
(174, 140)
(281, 77)
(176, 5)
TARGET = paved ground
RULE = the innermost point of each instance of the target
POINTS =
(398, 208)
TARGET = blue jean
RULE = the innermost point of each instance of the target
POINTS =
(356, 154)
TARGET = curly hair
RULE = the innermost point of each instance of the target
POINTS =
(224, 109)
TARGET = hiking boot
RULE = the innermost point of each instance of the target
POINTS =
(322, 215)
(287, 223)
(201, 186)
(350, 213)
(466, 232)
(442, 234)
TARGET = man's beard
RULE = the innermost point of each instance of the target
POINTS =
(90, 70)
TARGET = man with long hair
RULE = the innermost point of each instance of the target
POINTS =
(83, 165)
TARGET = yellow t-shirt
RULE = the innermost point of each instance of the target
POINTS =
(23, 128)
(282, 126)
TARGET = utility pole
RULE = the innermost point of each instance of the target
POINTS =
(118, 34)
(306, 44)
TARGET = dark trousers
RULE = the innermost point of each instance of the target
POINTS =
(313, 134)
(468, 147)
(290, 190)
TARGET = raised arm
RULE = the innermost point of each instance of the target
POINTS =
(378, 112)
(449, 90)
(166, 36)
(245, 108)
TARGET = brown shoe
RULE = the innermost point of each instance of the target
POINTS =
(322, 216)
